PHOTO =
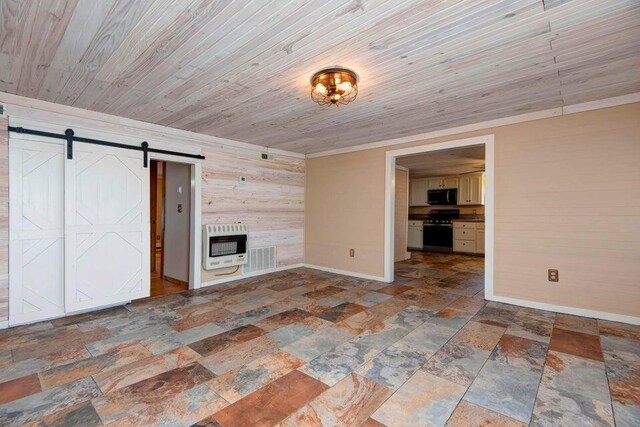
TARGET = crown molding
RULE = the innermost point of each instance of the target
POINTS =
(10, 99)
(631, 98)
(198, 138)
(537, 115)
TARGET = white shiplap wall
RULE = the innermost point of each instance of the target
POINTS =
(271, 202)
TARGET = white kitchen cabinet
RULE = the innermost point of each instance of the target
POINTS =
(418, 192)
(434, 183)
(480, 241)
(450, 182)
(466, 246)
(471, 189)
(468, 237)
(414, 238)
(441, 183)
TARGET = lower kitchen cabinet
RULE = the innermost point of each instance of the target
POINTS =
(414, 238)
(468, 237)
(480, 241)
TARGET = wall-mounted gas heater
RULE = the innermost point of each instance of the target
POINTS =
(224, 245)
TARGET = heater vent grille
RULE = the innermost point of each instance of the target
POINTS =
(261, 259)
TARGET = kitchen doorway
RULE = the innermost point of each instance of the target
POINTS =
(484, 231)
(170, 216)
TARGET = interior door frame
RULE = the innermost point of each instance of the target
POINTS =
(153, 211)
(195, 221)
(389, 201)
(406, 254)
(163, 216)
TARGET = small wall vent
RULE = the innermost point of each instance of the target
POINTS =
(261, 259)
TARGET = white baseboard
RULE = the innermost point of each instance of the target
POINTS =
(345, 272)
(568, 310)
(248, 275)
(4, 324)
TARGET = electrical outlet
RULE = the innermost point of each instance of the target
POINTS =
(352, 253)
(553, 275)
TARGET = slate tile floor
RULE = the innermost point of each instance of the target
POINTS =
(304, 347)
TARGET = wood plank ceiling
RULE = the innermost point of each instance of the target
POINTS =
(241, 69)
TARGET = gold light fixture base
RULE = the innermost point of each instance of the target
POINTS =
(334, 86)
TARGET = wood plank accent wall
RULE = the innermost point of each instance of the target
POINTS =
(567, 196)
(4, 219)
(271, 202)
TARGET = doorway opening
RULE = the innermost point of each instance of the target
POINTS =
(170, 226)
(439, 216)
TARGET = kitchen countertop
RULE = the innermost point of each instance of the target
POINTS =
(469, 220)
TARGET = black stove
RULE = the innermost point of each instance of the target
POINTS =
(442, 216)
(438, 230)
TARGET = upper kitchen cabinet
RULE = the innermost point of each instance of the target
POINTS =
(438, 183)
(418, 190)
(471, 189)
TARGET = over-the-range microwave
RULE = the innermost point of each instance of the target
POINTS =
(442, 197)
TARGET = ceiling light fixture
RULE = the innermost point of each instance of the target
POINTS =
(334, 86)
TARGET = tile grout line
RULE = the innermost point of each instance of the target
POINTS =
(544, 365)
(606, 373)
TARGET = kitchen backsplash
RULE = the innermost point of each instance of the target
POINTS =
(464, 210)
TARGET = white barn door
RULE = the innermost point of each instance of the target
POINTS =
(106, 227)
(36, 230)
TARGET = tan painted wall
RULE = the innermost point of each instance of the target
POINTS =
(567, 196)
(344, 211)
(401, 214)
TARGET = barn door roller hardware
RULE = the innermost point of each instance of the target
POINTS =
(70, 137)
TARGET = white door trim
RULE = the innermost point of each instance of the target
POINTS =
(389, 197)
(407, 254)
(195, 234)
